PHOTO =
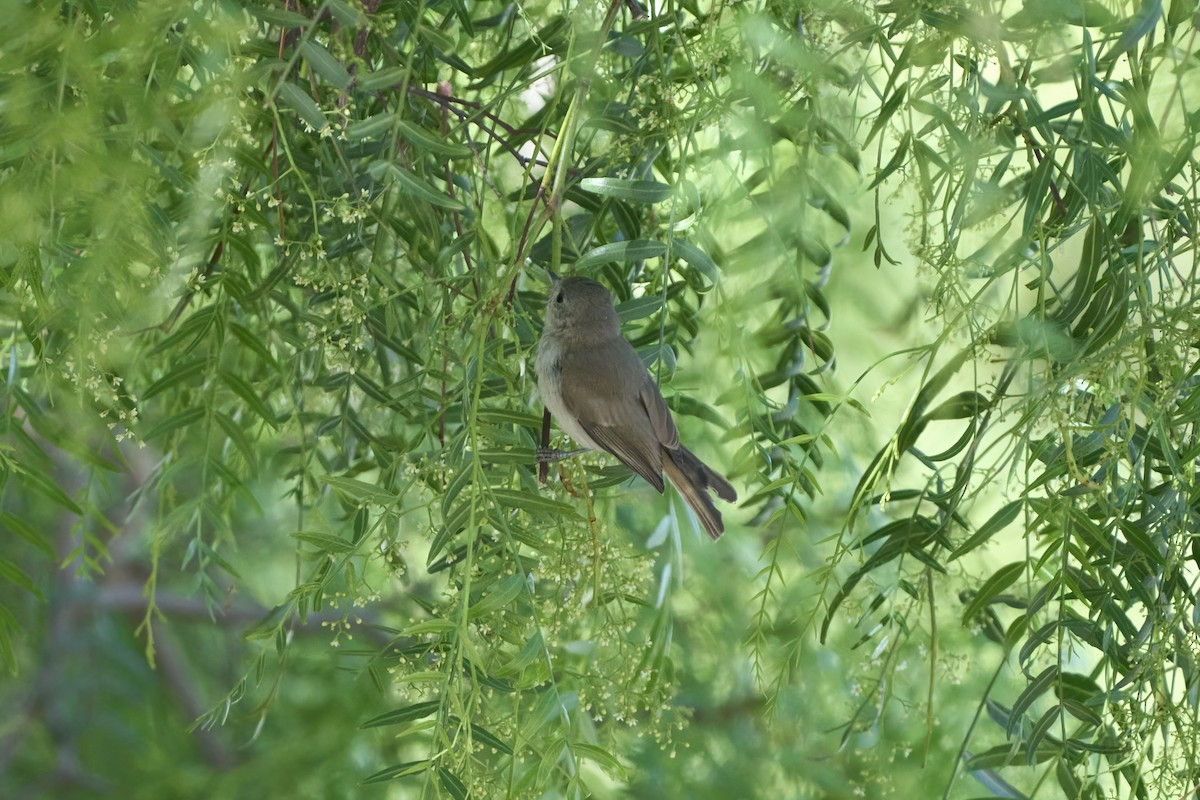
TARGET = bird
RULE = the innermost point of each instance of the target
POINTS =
(593, 382)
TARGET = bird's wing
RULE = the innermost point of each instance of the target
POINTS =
(659, 414)
(616, 415)
(633, 448)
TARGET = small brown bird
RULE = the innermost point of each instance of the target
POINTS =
(596, 386)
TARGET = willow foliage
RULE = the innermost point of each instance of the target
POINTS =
(272, 275)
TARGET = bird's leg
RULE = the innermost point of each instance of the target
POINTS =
(544, 455)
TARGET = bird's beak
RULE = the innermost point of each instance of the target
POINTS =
(554, 276)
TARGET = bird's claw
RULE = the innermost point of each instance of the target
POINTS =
(545, 455)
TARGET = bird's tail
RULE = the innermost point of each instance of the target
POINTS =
(693, 478)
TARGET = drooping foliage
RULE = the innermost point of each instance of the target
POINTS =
(272, 276)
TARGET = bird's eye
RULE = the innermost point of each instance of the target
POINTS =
(559, 298)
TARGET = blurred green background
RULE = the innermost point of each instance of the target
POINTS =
(919, 278)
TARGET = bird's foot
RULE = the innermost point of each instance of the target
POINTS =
(544, 455)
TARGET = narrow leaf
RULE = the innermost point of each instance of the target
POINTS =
(354, 489)
(1036, 688)
(407, 714)
(430, 143)
(697, 258)
(639, 308)
(453, 784)
(25, 531)
(12, 573)
(987, 530)
(397, 771)
(298, 100)
(489, 739)
(324, 542)
(382, 79)
(411, 185)
(621, 252)
(534, 503)
(250, 396)
(508, 590)
(189, 417)
(345, 13)
(324, 64)
(623, 189)
(372, 127)
(1001, 580)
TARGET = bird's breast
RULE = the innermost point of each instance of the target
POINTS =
(549, 368)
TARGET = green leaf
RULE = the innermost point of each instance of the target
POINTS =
(621, 252)
(602, 757)
(534, 503)
(886, 111)
(1040, 729)
(324, 542)
(237, 436)
(253, 343)
(459, 482)
(1074, 687)
(181, 374)
(278, 16)
(12, 573)
(895, 162)
(623, 189)
(324, 64)
(408, 183)
(1036, 196)
(464, 16)
(1007, 755)
(964, 405)
(382, 79)
(639, 308)
(8, 626)
(372, 127)
(182, 420)
(987, 530)
(1092, 257)
(1083, 713)
(432, 626)
(500, 597)
(1035, 689)
(995, 784)
(528, 49)
(697, 258)
(504, 416)
(489, 739)
(516, 455)
(532, 652)
(251, 396)
(298, 100)
(824, 200)
(346, 14)
(438, 40)
(427, 142)
(452, 783)
(1001, 580)
(407, 714)
(690, 406)
(397, 771)
(453, 522)
(354, 489)
(21, 528)
(1067, 780)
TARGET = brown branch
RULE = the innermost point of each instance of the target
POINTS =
(544, 466)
